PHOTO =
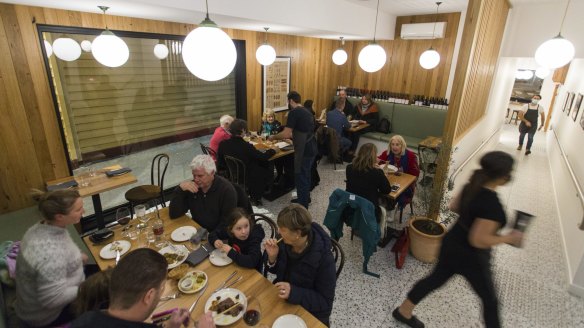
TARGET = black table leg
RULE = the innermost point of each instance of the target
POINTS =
(98, 211)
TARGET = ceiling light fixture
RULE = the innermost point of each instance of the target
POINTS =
(108, 49)
(265, 54)
(431, 58)
(161, 51)
(66, 49)
(372, 57)
(555, 52)
(208, 52)
(86, 45)
(340, 55)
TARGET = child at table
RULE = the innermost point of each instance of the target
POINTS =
(243, 239)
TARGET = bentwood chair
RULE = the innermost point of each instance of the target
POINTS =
(267, 224)
(339, 256)
(153, 191)
(208, 150)
(237, 171)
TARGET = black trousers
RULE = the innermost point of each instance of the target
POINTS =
(453, 260)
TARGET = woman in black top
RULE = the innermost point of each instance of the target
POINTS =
(365, 179)
(466, 249)
(243, 239)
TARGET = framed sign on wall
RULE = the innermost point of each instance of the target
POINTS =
(276, 84)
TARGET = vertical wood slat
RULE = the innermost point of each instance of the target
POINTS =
(479, 50)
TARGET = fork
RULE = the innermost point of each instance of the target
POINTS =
(226, 280)
(170, 297)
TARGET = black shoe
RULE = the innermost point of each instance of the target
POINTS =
(411, 322)
(527, 152)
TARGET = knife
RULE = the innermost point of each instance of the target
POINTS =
(118, 255)
(198, 297)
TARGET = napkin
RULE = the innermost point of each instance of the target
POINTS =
(63, 185)
(282, 144)
(197, 256)
(200, 235)
(121, 171)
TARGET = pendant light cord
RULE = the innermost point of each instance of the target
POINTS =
(104, 9)
(376, 15)
(207, 8)
(435, 20)
(565, 13)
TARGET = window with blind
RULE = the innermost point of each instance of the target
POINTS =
(147, 102)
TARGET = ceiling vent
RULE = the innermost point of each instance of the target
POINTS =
(422, 31)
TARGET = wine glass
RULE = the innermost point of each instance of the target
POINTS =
(123, 217)
(253, 312)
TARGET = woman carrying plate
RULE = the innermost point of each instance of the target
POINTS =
(244, 239)
(303, 263)
(398, 155)
(50, 265)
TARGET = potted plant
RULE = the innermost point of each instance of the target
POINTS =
(425, 232)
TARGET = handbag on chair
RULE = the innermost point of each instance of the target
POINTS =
(400, 248)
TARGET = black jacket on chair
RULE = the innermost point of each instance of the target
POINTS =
(258, 173)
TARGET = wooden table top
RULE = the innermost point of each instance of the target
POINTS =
(358, 127)
(405, 180)
(253, 283)
(431, 142)
(100, 182)
(259, 144)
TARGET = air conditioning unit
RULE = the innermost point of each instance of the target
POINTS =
(422, 31)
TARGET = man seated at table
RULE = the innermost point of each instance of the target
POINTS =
(209, 197)
(259, 173)
(221, 133)
(346, 105)
(337, 121)
(136, 284)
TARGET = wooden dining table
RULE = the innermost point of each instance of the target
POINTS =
(98, 184)
(261, 144)
(358, 127)
(403, 179)
(253, 284)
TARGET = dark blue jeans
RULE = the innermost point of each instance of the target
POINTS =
(302, 180)
(529, 139)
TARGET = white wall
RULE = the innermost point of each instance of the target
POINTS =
(569, 136)
(530, 25)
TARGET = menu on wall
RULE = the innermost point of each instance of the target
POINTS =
(276, 84)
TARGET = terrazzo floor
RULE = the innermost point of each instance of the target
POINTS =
(531, 281)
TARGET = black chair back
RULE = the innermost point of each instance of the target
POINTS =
(268, 224)
(243, 198)
(339, 256)
(237, 170)
(208, 150)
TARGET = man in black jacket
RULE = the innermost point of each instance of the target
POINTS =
(259, 172)
(209, 197)
(346, 105)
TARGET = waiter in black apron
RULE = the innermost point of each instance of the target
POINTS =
(528, 116)
(300, 128)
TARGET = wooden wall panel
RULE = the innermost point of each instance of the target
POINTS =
(32, 115)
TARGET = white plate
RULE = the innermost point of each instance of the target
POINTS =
(187, 283)
(354, 121)
(391, 168)
(183, 233)
(289, 321)
(218, 258)
(282, 144)
(108, 251)
(180, 249)
(222, 319)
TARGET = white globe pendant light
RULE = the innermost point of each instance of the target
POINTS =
(372, 57)
(556, 52)
(266, 54)
(66, 49)
(208, 52)
(542, 72)
(430, 58)
(340, 55)
(108, 49)
(161, 51)
(48, 48)
(86, 45)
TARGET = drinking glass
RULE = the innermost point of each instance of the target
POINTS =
(123, 217)
(158, 231)
(253, 313)
(150, 239)
(82, 176)
(140, 211)
(152, 210)
(133, 234)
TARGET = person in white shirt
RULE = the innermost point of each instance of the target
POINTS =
(528, 117)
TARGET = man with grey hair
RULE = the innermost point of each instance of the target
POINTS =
(221, 133)
(208, 196)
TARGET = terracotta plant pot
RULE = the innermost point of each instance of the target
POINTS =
(425, 238)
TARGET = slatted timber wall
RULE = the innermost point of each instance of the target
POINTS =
(29, 133)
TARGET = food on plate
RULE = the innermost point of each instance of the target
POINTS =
(172, 258)
(116, 247)
(219, 305)
(178, 272)
(192, 281)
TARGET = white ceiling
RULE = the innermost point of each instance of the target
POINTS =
(352, 19)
